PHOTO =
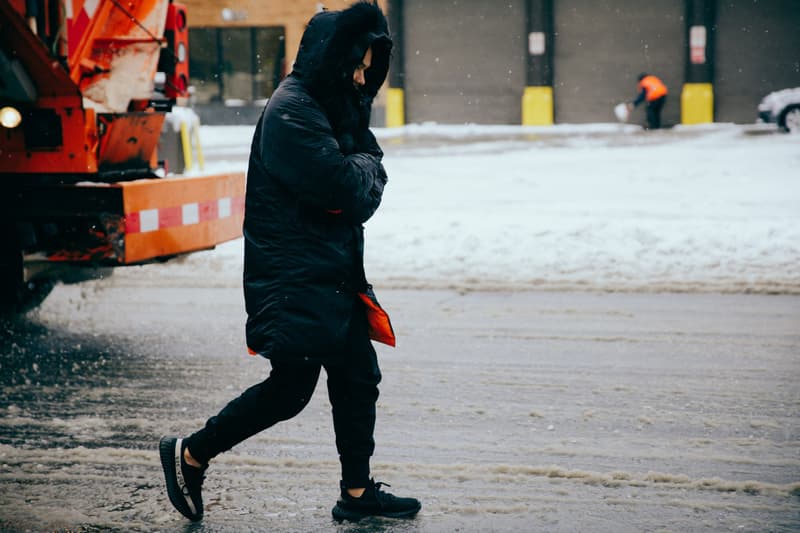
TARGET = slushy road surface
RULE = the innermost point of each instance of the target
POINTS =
(501, 411)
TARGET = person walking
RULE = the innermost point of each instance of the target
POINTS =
(315, 176)
(653, 91)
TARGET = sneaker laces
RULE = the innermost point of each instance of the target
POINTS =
(383, 498)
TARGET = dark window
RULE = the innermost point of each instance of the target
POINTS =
(235, 65)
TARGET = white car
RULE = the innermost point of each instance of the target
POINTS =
(782, 108)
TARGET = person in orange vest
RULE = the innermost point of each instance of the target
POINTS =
(653, 91)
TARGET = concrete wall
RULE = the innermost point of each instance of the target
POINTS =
(758, 51)
(465, 61)
(601, 47)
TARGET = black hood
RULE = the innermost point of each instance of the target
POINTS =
(334, 44)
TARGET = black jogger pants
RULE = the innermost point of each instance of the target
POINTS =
(353, 378)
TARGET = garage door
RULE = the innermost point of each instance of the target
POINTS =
(758, 51)
(601, 47)
(465, 61)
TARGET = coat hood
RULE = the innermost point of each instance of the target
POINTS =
(333, 45)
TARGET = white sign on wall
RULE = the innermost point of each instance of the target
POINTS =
(536, 43)
(697, 45)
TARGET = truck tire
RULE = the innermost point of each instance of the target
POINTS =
(16, 295)
(789, 119)
(24, 297)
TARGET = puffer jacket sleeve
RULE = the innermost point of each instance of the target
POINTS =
(299, 148)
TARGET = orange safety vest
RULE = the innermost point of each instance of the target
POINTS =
(653, 87)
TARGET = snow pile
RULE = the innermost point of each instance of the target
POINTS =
(599, 207)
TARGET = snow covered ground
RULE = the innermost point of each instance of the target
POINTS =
(595, 207)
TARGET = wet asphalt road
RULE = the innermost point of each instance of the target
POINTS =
(528, 411)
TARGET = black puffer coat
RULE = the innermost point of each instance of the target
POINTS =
(315, 176)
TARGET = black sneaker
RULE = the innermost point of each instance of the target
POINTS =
(374, 502)
(184, 481)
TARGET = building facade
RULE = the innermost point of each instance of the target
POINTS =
(239, 51)
(522, 61)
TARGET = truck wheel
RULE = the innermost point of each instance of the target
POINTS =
(17, 296)
(790, 119)
(26, 296)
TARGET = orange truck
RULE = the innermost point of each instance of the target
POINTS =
(85, 88)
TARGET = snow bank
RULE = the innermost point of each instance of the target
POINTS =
(598, 207)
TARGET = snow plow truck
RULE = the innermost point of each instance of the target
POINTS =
(85, 86)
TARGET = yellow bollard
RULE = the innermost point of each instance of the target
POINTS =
(697, 103)
(537, 106)
(196, 130)
(190, 143)
(395, 108)
(186, 144)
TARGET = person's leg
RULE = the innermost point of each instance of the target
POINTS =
(353, 391)
(281, 396)
(651, 116)
(654, 113)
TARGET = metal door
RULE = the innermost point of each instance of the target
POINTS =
(464, 61)
(758, 51)
(601, 47)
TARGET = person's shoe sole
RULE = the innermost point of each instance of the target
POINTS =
(170, 451)
(340, 514)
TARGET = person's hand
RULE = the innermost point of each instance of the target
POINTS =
(347, 144)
